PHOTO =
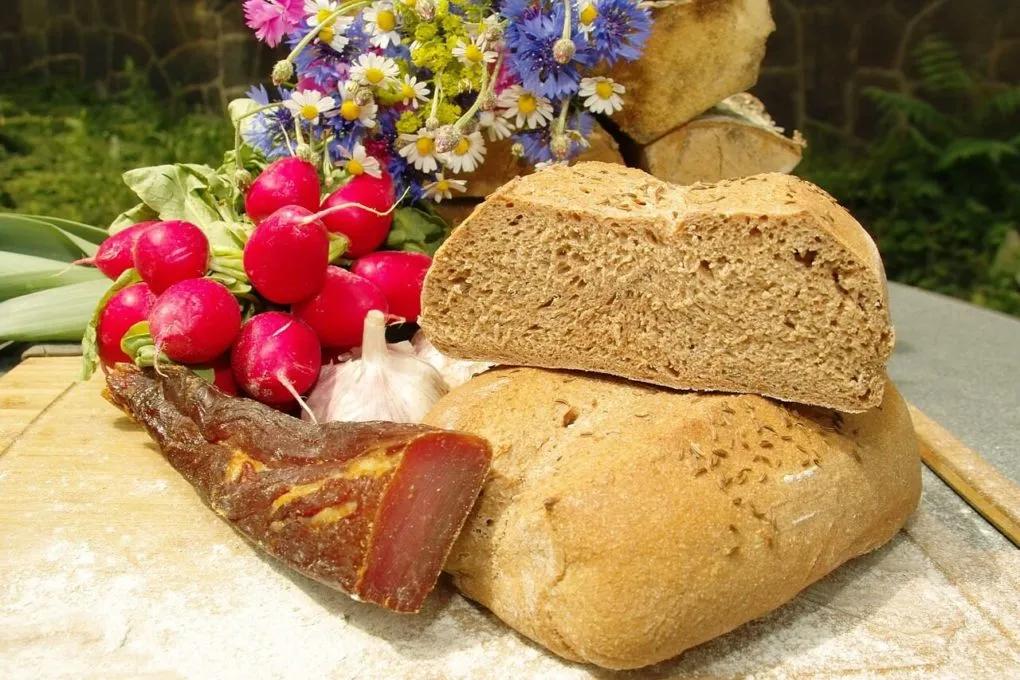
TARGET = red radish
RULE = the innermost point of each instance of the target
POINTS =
(287, 255)
(288, 181)
(276, 357)
(116, 254)
(223, 375)
(168, 252)
(364, 230)
(399, 275)
(195, 321)
(127, 307)
(337, 312)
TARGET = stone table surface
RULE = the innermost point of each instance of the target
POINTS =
(960, 364)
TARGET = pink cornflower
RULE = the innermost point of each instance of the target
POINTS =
(273, 19)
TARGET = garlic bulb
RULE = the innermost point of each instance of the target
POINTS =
(384, 383)
(455, 372)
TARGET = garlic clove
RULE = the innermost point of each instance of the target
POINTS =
(455, 372)
(385, 382)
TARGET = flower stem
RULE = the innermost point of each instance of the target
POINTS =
(437, 93)
(561, 121)
(322, 24)
(488, 83)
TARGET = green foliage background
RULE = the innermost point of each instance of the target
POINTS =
(64, 146)
(939, 187)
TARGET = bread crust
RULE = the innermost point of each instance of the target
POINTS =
(622, 524)
(762, 285)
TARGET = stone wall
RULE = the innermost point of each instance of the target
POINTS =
(199, 49)
(824, 53)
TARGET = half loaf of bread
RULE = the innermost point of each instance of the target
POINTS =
(622, 524)
(762, 285)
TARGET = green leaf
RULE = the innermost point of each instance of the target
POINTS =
(31, 236)
(135, 338)
(1007, 258)
(92, 234)
(338, 244)
(965, 149)
(177, 192)
(89, 340)
(896, 105)
(55, 315)
(1003, 104)
(24, 274)
(139, 213)
(940, 66)
(138, 344)
(417, 230)
(206, 374)
(229, 235)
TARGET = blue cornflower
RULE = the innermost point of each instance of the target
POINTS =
(267, 133)
(619, 30)
(405, 178)
(347, 132)
(519, 10)
(537, 143)
(258, 94)
(531, 55)
(325, 73)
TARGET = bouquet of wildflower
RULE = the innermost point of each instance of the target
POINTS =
(415, 89)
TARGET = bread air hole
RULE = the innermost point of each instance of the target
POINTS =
(807, 258)
(839, 285)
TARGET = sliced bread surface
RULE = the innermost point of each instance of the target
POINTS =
(762, 285)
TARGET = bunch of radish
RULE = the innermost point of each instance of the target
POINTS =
(308, 308)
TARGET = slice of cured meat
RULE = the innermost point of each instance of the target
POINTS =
(369, 508)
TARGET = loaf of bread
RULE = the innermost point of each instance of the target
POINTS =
(622, 524)
(761, 285)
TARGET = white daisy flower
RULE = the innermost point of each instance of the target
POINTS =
(478, 29)
(474, 52)
(420, 150)
(587, 13)
(375, 70)
(381, 24)
(334, 31)
(496, 127)
(308, 105)
(467, 155)
(360, 163)
(602, 94)
(351, 110)
(443, 188)
(412, 92)
(526, 108)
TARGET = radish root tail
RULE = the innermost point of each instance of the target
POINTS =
(294, 393)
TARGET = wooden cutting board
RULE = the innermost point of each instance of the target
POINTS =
(111, 567)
